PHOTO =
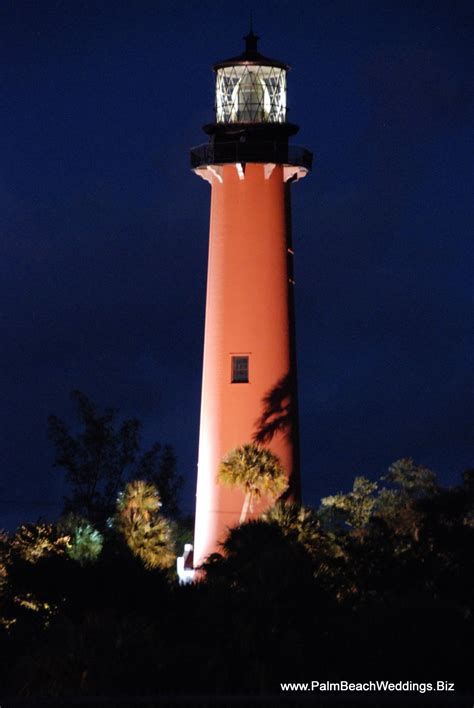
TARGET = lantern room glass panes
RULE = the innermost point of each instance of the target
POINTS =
(251, 94)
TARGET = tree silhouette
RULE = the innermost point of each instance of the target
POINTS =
(103, 456)
(295, 587)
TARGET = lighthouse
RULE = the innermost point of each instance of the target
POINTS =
(249, 368)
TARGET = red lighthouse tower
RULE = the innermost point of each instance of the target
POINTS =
(249, 377)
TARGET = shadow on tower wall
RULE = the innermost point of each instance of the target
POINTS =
(279, 415)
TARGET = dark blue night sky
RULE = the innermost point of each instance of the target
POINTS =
(104, 227)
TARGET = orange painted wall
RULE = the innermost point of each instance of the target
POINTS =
(246, 313)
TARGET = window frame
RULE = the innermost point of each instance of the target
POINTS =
(235, 373)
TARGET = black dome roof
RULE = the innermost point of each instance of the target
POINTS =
(251, 55)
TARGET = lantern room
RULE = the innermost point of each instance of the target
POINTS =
(250, 88)
(251, 124)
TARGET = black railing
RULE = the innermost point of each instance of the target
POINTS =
(232, 152)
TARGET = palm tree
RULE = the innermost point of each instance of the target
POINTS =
(139, 499)
(298, 521)
(148, 534)
(85, 542)
(256, 470)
